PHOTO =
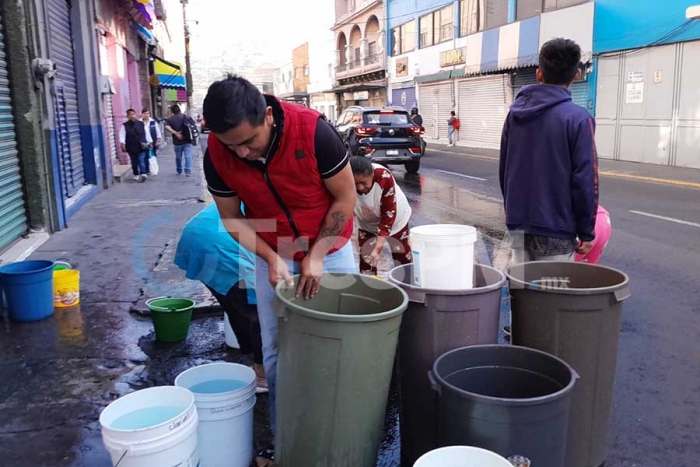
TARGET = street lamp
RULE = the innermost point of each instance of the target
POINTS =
(693, 12)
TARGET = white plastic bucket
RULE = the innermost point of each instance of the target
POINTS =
(225, 418)
(443, 256)
(231, 339)
(461, 456)
(172, 441)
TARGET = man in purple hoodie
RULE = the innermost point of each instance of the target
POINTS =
(549, 165)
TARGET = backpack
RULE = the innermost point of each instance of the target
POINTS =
(189, 130)
(456, 124)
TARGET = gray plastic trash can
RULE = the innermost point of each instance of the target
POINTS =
(435, 322)
(573, 311)
(511, 400)
(336, 355)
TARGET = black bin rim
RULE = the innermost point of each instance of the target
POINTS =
(294, 304)
(516, 283)
(449, 292)
(530, 401)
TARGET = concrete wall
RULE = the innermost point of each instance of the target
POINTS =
(621, 25)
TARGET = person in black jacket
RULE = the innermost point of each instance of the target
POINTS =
(135, 141)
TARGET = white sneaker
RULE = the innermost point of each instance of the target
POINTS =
(137, 178)
(144, 177)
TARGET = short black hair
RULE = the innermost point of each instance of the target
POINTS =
(362, 166)
(146, 110)
(176, 109)
(130, 110)
(232, 101)
(559, 61)
(452, 112)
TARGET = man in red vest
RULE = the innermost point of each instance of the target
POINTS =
(290, 170)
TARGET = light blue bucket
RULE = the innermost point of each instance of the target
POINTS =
(28, 289)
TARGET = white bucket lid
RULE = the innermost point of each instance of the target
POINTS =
(461, 456)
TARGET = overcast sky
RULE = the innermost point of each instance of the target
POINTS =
(270, 27)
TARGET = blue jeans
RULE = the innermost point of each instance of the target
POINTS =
(342, 261)
(138, 163)
(185, 149)
(450, 134)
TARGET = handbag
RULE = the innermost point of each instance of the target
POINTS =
(153, 163)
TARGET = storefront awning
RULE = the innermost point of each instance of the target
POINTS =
(141, 11)
(435, 77)
(369, 86)
(145, 34)
(169, 74)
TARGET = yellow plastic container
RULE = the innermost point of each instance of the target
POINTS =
(66, 288)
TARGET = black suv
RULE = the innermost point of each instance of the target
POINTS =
(386, 136)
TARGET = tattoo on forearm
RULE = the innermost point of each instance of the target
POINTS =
(335, 227)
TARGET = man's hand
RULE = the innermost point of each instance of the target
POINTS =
(585, 247)
(123, 147)
(310, 279)
(279, 272)
(178, 134)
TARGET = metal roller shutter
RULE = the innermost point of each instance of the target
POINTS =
(13, 217)
(107, 100)
(435, 106)
(523, 78)
(579, 94)
(70, 151)
(483, 107)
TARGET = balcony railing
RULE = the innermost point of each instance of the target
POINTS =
(357, 63)
(374, 58)
(341, 68)
(368, 64)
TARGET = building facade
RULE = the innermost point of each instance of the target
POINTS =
(647, 75)
(360, 72)
(473, 56)
(74, 67)
(322, 55)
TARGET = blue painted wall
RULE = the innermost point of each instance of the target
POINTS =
(627, 24)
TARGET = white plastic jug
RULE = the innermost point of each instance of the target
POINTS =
(461, 456)
(225, 416)
(443, 256)
(170, 440)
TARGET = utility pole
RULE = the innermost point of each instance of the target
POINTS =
(188, 75)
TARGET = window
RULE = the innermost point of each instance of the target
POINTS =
(296, 73)
(386, 118)
(468, 17)
(403, 39)
(306, 70)
(495, 13)
(550, 5)
(437, 27)
(528, 8)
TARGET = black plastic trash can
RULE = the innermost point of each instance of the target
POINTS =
(511, 400)
(435, 322)
(573, 311)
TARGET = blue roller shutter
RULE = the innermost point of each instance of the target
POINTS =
(70, 151)
(13, 216)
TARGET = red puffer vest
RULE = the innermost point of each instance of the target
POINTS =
(288, 190)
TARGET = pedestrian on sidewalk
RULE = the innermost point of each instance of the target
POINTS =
(178, 126)
(153, 128)
(290, 169)
(548, 165)
(452, 125)
(135, 141)
(382, 213)
(209, 254)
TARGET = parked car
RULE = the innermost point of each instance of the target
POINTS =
(385, 135)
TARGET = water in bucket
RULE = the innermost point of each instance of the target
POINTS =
(143, 418)
(217, 386)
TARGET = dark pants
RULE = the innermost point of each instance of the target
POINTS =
(243, 318)
(138, 162)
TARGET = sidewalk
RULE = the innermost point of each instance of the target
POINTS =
(58, 374)
(607, 167)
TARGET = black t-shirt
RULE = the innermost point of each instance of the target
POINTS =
(331, 157)
(177, 123)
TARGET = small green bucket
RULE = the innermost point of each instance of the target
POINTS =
(171, 317)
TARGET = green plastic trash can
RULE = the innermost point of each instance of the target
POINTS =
(436, 322)
(573, 311)
(336, 355)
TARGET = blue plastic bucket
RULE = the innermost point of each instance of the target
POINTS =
(28, 289)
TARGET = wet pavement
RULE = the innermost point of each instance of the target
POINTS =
(58, 374)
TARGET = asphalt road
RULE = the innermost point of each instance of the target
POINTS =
(656, 240)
